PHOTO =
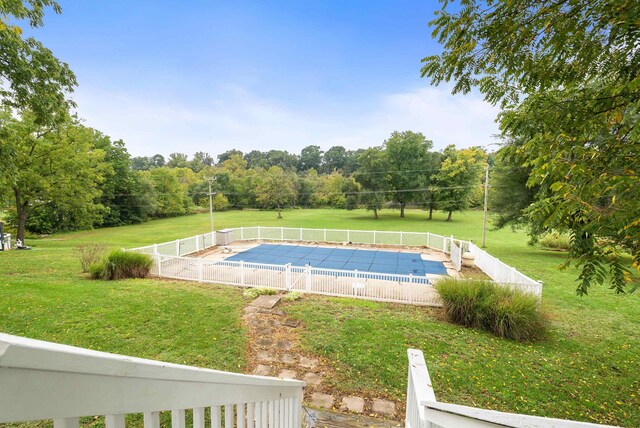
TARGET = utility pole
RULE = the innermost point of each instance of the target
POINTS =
(211, 204)
(486, 200)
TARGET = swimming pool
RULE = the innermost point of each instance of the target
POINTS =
(362, 260)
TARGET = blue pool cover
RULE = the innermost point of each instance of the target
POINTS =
(341, 258)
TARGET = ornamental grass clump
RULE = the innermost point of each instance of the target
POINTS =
(501, 310)
(121, 264)
(555, 241)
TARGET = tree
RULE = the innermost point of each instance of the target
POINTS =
(55, 166)
(373, 176)
(351, 191)
(307, 186)
(256, 159)
(276, 188)
(459, 172)
(282, 158)
(124, 194)
(223, 157)
(33, 78)
(178, 160)
(200, 160)
(157, 161)
(170, 194)
(310, 157)
(432, 167)
(334, 159)
(509, 195)
(141, 163)
(406, 154)
(567, 77)
(329, 191)
(351, 163)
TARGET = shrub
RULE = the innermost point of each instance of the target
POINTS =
(292, 296)
(555, 241)
(501, 310)
(122, 264)
(90, 253)
(252, 293)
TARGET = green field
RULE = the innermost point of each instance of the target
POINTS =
(586, 369)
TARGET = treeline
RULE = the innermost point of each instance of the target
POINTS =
(404, 170)
(66, 176)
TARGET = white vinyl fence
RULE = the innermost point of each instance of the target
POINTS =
(491, 266)
(180, 247)
(424, 411)
(417, 290)
(42, 380)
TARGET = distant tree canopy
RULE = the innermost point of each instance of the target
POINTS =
(567, 77)
(33, 78)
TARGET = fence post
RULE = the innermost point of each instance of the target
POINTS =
(411, 288)
(197, 243)
(241, 272)
(428, 239)
(177, 247)
(287, 276)
(159, 263)
(155, 249)
(307, 277)
(200, 269)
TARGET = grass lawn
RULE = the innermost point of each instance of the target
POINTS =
(587, 369)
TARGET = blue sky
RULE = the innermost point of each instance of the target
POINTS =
(178, 76)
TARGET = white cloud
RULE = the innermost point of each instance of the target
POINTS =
(240, 119)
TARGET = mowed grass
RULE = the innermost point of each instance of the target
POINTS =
(586, 369)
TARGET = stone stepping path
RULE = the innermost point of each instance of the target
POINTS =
(274, 351)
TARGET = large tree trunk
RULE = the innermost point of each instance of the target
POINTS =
(449, 216)
(21, 210)
(430, 212)
(402, 205)
(375, 213)
(279, 213)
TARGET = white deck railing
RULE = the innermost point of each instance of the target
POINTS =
(42, 380)
(424, 411)
(498, 271)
